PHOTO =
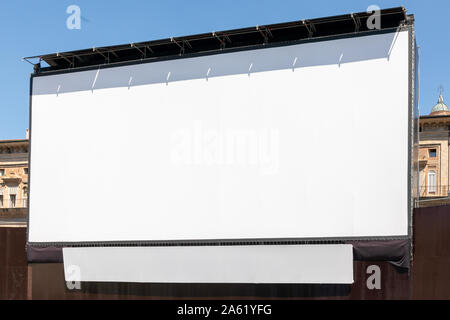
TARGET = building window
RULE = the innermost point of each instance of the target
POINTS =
(12, 201)
(432, 153)
(24, 197)
(25, 170)
(431, 182)
(2, 172)
(1, 201)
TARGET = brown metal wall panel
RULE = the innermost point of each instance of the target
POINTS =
(13, 264)
(431, 264)
(395, 283)
(48, 283)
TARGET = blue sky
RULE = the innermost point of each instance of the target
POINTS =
(30, 28)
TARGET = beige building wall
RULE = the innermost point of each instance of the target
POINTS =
(13, 174)
(434, 153)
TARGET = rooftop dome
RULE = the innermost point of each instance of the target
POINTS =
(440, 108)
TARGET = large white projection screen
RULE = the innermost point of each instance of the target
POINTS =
(299, 141)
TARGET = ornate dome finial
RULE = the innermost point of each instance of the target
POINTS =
(440, 108)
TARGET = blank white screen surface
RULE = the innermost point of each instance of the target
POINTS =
(301, 141)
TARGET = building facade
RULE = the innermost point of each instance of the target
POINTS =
(13, 174)
(434, 155)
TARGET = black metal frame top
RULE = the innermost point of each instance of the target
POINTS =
(219, 41)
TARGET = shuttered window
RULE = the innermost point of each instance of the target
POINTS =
(432, 182)
(12, 190)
